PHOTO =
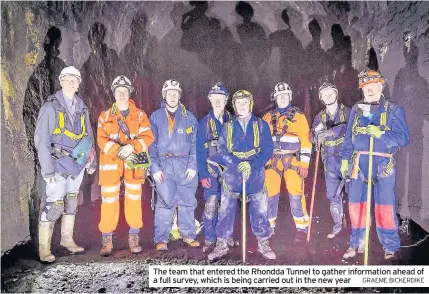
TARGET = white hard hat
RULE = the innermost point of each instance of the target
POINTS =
(70, 71)
(122, 81)
(171, 85)
(281, 88)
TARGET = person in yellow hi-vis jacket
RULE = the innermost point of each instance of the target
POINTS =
(123, 132)
(292, 150)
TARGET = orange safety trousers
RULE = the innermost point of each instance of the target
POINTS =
(110, 201)
(294, 186)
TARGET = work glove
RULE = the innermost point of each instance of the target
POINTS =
(303, 172)
(206, 183)
(158, 176)
(245, 168)
(374, 131)
(190, 174)
(125, 151)
(90, 170)
(344, 167)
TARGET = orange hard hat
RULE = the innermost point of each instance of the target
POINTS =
(370, 76)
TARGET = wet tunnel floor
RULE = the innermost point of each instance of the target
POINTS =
(125, 272)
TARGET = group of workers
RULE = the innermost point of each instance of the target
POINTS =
(224, 152)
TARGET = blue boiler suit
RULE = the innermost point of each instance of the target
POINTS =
(173, 155)
(254, 145)
(208, 132)
(331, 157)
(391, 119)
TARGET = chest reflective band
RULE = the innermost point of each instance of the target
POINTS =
(340, 140)
(62, 130)
(256, 139)
(383, 121)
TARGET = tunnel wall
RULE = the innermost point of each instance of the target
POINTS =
(213, 47)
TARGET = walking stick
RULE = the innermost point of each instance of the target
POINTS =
(368, 200)
(243, 214)
(316, 168)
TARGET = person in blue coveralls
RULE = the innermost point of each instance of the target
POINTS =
(174, 166)
(210, 173)
(327, 133)
(245, 146)
(385, 122)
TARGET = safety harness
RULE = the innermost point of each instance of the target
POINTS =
(58, 152)
(62, 130)
(356, 172)
(338, 141)
(244, 155)
(257, 125)
(212, 135)
(286, 159)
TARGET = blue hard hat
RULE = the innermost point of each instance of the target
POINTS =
(219, 88)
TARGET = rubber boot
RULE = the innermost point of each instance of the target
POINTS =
(208, 245)
(107, 245)
(192, 242)
(220, 250)
(67, 229)
(265, 249)
(133, 242)
(45, 236)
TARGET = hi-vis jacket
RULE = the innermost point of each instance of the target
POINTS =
(110, 138)
(290, 132)
(56, 129)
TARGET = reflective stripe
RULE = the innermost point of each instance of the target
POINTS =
(255, 134)
(306, 150)
(133, 186)
(109, 200)
(107, 116)
(333, 143)
(140, 115)
(99, 125)
(144, 129)
(109, 167)
(133, 196)
(114, 136)
(287, 139)
(108, 146)
(141, 141)
(110, 189)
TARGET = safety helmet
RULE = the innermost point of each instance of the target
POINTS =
(240, 94)
(219, 88)
(281, 88)
(121, 81)
(171, 85)
(370, 76)
(70, 71)
(327, 85)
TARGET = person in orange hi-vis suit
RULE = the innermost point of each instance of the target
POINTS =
(292, 152)
(123, 131)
